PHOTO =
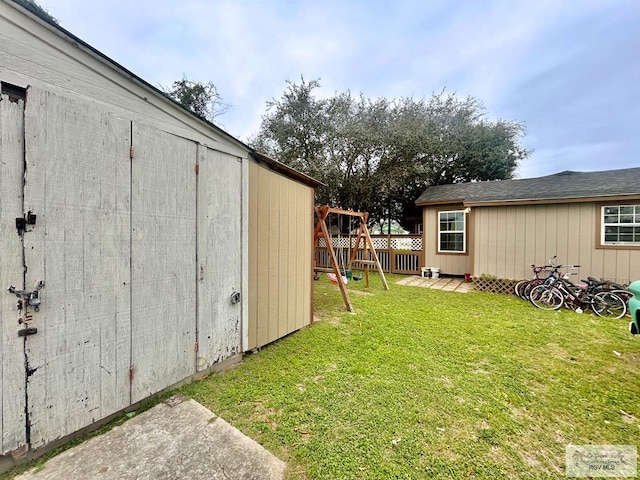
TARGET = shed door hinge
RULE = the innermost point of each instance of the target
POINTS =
(131, 151)
(130, 374)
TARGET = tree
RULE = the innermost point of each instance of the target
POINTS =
(202, 99)
(379, 155)
(41, 11)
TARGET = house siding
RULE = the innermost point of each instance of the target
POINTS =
(508, 239)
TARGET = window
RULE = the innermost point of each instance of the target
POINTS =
(451, 232)
(620, 225)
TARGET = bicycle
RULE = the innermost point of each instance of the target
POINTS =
(523, 287)
(559, 291)
(610, 286)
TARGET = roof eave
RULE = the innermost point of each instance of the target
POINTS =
(285, 169)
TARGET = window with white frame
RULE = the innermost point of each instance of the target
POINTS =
(620, 225)
(451, 232)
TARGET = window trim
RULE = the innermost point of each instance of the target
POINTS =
(600, 242)
(439, 250)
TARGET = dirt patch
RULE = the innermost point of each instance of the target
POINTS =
(359, 292)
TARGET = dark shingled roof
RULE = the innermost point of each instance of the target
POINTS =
(563, 185)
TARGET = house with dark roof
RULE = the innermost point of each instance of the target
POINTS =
(502, 227)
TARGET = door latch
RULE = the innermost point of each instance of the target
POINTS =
(22, 222)
(30, 298)
(235, 298)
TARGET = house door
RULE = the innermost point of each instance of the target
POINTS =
(219, 257)
(77, 185)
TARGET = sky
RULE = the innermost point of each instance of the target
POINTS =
(568, 70)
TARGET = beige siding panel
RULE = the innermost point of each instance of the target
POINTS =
(12, 370)
(530, 243)
(510, 239)
(264, 202)
(586, 237)
(634, 267)
(520, 260)
(78, 184)
(609, 264)
(273, 233)
(305, 255)
(573, 242)
(623, 261)
(163, 254)
(502, 220)
(282, 255)
(291, 268)
(32, 54)
(253, 255)
(562, 239)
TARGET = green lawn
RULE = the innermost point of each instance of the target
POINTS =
(421, 383)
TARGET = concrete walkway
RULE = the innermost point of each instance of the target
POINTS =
(174, 440)
(449, 284)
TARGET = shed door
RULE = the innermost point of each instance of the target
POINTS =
(77, 183)
(219, 257)
(12, 371)
(163, 263)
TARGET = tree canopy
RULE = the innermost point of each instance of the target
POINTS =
(202, 99)
(378, 155)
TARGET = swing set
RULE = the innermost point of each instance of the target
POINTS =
(338, 271)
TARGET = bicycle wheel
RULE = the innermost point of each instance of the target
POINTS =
(546, 298)
(609, 305)
(526, 290)
(518, 289)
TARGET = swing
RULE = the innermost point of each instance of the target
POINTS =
(369, 256)
(333, 278)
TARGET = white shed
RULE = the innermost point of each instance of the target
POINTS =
(124, 232)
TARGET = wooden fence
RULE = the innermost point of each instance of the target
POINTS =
(397, 253)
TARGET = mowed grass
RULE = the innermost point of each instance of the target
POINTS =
(420, 383)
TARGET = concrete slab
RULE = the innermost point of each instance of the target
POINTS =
(450, 284)
(173, 440)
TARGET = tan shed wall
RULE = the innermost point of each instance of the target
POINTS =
(449, 264)
(509, 239)
(280, 255)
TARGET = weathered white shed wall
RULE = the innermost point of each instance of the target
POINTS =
(219, 257)
(12, 372)
(34, 53)
(139, 256)
(508, 239)
(77, 182)
(163, 249)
